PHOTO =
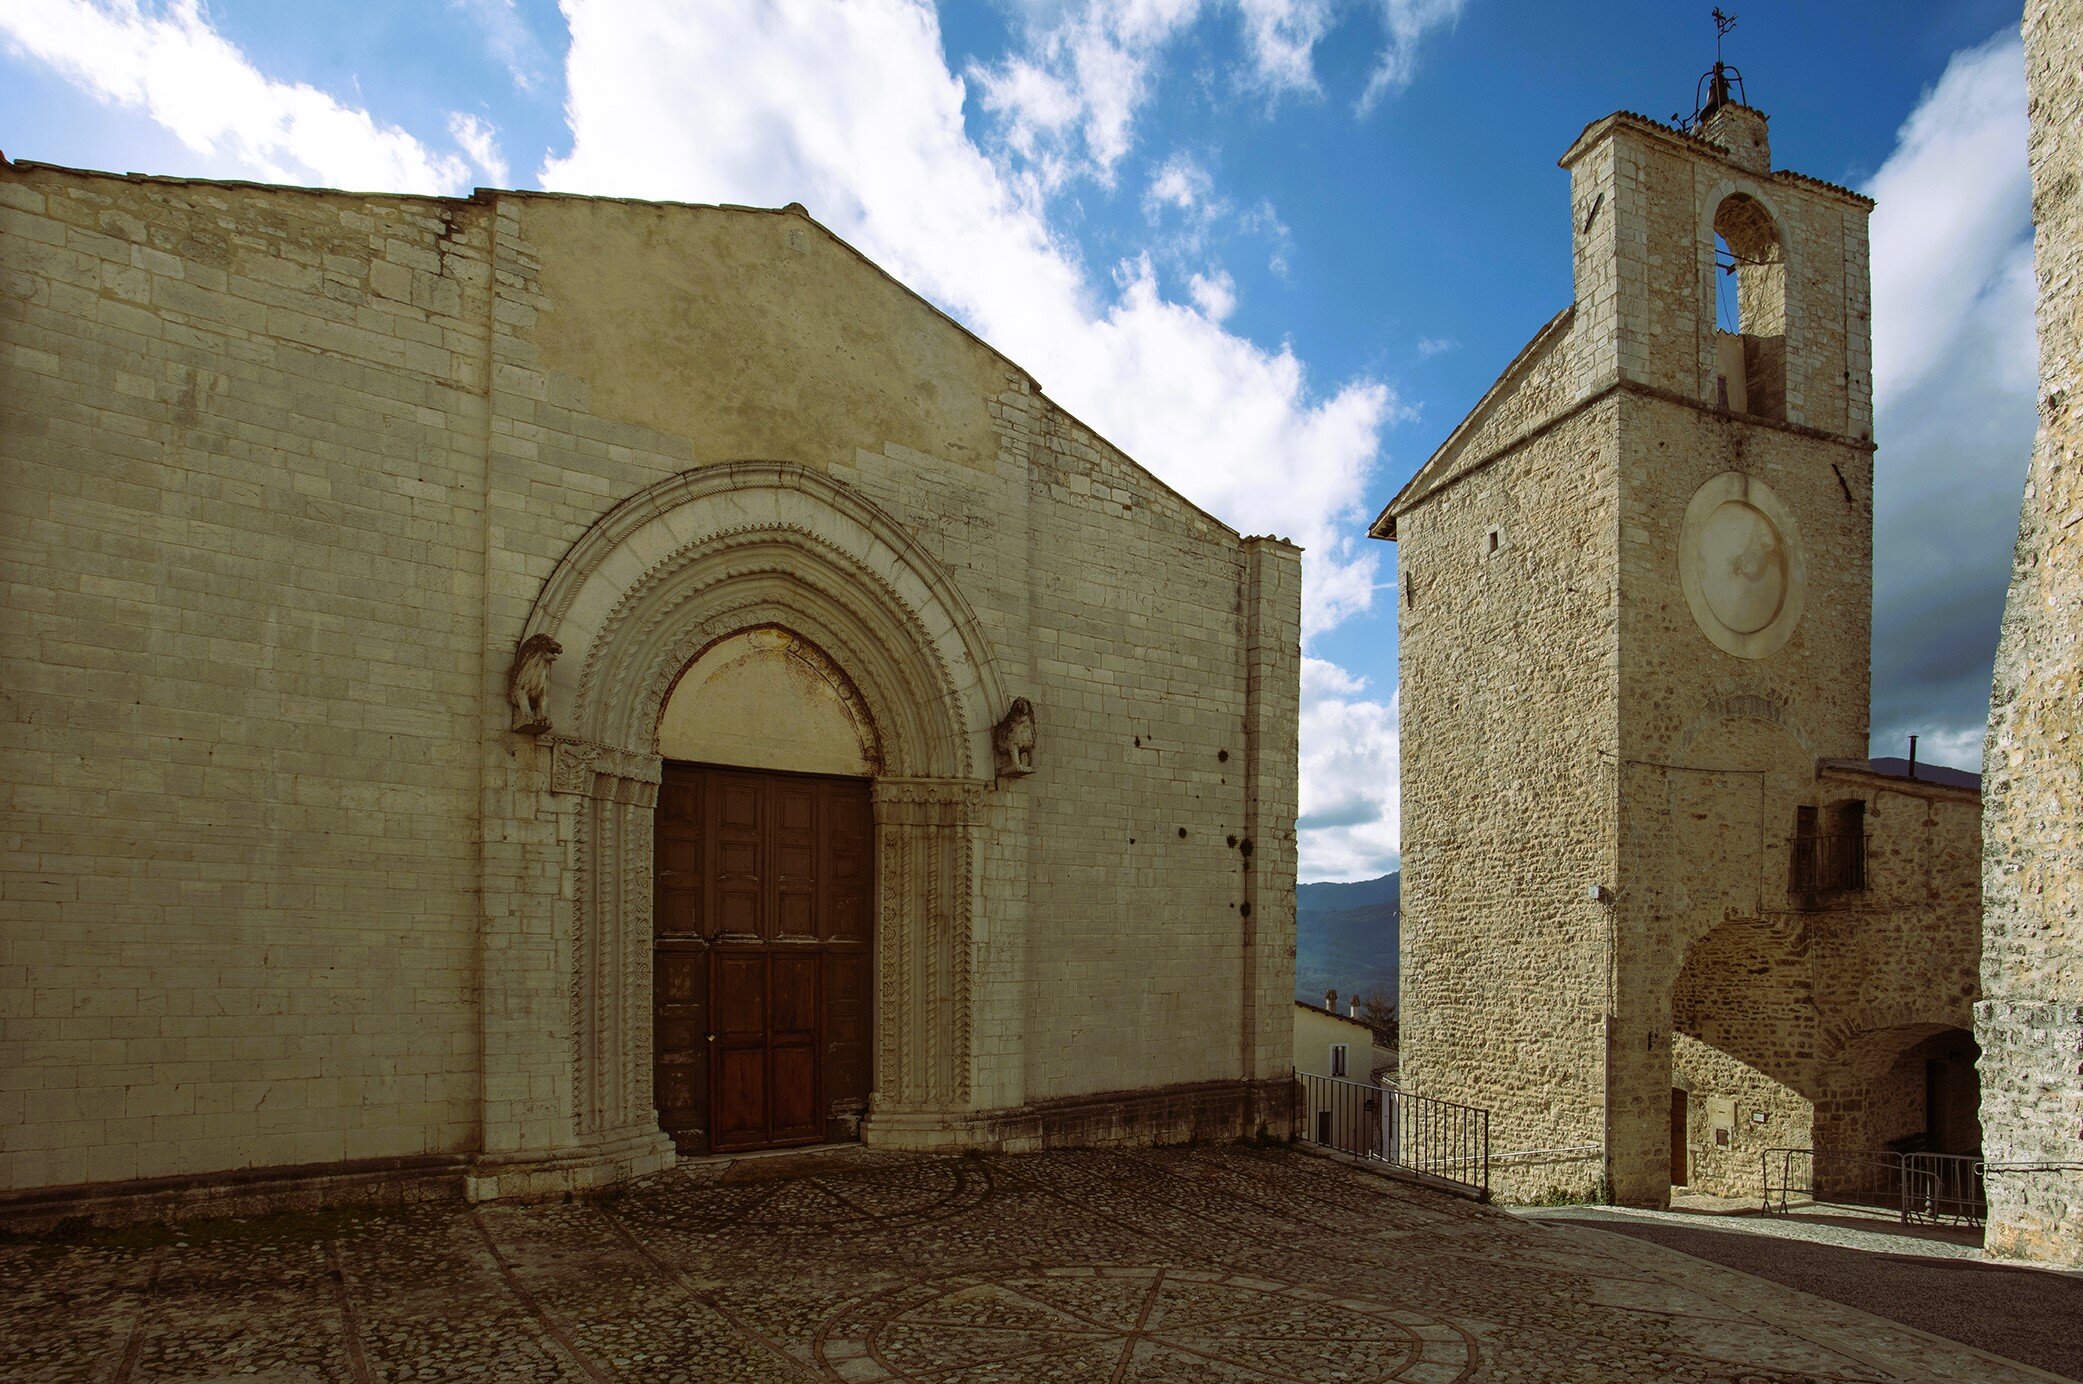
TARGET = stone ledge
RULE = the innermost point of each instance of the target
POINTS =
(237, 1192)
(1190, 1112)
(552, 1174)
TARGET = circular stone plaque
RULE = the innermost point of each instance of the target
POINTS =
(1739, 559)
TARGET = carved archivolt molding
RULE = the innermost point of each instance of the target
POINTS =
(662, 577)
(662, 570)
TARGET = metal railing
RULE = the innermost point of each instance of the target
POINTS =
(1917, 1187)
(1829, 861)
(1940, 1187)
(1437, 1140)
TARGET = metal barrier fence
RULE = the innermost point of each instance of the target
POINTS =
(1930, 1187)
(1438, 1140)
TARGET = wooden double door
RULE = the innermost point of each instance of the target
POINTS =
(763, 957)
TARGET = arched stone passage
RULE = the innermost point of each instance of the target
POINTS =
(721, 554)
(1876, 1089)
(1743, 1034)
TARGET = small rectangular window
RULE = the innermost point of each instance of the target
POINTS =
(1337, 1059)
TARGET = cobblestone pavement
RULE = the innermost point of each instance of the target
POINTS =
(1210, 1263)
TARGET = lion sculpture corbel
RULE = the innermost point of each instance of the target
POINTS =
(528, 687)
(1014, 738)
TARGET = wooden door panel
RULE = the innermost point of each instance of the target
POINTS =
(792, 857)
(764, 914)
(738, 866)
(795, 994)
(849, 860)
(738, 1106)
(796, 1117)
(792, 1040)
(847, 978)
(680, 1046)
(741, 996)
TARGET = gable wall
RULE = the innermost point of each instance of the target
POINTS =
(286, 472)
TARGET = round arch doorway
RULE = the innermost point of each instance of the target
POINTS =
(764, 908)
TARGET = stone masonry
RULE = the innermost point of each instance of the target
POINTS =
(2030, 1020)
(292, 474)
(1651, 885)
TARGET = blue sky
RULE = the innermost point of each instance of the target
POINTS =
(1274, 248)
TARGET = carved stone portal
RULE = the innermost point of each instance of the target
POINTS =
(1014, 739)
(528, 686)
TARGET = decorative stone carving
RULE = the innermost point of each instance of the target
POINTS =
(1742, 564)
(528, 685)
(1014, 739)
(926, 894)
(601, 771)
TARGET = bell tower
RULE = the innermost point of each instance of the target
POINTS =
(1738, 338)
(1635, 615)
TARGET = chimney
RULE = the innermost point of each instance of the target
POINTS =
(1352, 1007)
(1913, 756)
(1330, 1001)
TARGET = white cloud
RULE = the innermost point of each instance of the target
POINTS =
(480, 140)
(1351, 767)
(169, 63)
(1955, 375)
(1430, 346)
(1182, 183)
(852, 111)
(1215, 294)
(1405, 24)
(1282, 36)
(1949, 200)
(1066, 104)
(508, 37)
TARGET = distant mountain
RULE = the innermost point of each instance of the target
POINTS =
(1345, 937)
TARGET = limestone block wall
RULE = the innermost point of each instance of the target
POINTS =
(1507, 657)
(1727, 1146)
(241, 449)
(2030, 1021)
(287, 473)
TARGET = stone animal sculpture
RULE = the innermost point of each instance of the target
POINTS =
(1014, 738)
(528, 688)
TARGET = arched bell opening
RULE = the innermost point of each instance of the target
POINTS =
(1750, 315)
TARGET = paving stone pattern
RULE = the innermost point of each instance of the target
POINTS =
(1208, 1263)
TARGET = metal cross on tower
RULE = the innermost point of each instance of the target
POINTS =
(1722, 85)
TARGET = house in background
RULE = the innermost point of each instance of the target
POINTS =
(1335, 1058)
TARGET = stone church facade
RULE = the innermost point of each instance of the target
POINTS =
(1660, 913)
(499, 689)
(2030, 1018)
